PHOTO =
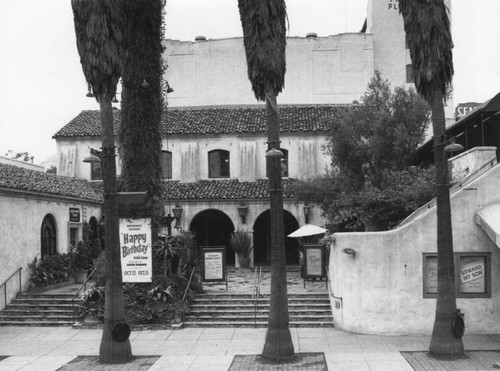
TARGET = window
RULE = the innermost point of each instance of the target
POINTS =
(166, 164)
(95, 171)
(48, 236)
(284, 164)
(73, 236)
(218, 164)
(472, 275)
(409, 73)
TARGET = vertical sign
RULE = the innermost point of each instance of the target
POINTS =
(313, 257)
(135, 250)
(214, 263)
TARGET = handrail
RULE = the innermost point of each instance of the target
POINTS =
(187, 287)
(84, 284)
(4, 284)
(257, 293)
(254, 282)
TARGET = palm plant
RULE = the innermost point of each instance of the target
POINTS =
(428, 35)
(98, 25)
(241, 243)
(264, 37)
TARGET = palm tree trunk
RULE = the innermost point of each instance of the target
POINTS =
(443, 342)
(111, 351)
(278, 346)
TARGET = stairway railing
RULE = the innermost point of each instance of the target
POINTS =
(256, 291)
(4, 284)
(84, 285)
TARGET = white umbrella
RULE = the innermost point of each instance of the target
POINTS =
(308, 230)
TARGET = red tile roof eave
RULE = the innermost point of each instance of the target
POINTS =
(23, 193)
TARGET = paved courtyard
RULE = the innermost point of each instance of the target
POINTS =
(214, 349)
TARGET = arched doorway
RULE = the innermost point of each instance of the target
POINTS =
(262, 239)
(213, 228)
(48, 236)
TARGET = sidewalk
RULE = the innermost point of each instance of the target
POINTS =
(50, 348)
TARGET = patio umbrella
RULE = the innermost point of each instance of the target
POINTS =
(308, 230)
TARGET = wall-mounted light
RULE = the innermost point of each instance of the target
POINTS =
(307, 210)
(349, 251)
(177, 210)
(452, 146)
(243, 212)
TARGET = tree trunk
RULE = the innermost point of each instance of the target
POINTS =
(443, 342)
(110, 350)
(278, 346)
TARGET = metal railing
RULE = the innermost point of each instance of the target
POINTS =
(83, 286)
(4, 284)
(257, 280)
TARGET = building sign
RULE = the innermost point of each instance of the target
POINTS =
(472, 274)
(74, 215)
(135, 250)
(314, 262)
(214, 263)
(464, 109)
(393, 5)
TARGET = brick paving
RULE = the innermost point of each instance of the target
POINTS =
(302, 361)
(472, 360)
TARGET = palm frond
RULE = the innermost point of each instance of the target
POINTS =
(98, 38)
(264, 38)
(428, 35)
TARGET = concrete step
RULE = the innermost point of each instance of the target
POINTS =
(36, 323)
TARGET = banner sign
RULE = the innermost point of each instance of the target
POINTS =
(135, 250)
(214, 263)
(314, 262)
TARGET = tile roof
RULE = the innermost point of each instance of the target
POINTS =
(216, 120)
(38, 182)
(231, 189)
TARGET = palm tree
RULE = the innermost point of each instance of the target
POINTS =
(428, 35)
(264, 37)
(98, 39)
(142, 103)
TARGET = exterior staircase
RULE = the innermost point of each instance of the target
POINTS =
(39, 309)
(229, 310)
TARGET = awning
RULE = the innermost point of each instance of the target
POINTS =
(308, 230)
(489, 219)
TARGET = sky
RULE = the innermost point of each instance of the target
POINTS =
(42, 86)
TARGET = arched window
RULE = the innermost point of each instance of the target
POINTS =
(48, 236)
(284, 164)
(218, 164)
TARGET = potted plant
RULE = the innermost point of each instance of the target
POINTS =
(80, 261)
(241, 243)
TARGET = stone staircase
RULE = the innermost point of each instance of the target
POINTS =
(39, 309)
(230, 310)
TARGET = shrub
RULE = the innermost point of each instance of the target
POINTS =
(50, 270)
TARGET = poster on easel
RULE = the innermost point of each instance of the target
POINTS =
(314, 261)
(214, 263)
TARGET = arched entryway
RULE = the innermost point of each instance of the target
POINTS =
(262, 239)
(214, 228)
(48, 235)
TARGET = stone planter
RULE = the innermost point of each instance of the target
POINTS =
(80, 276)
(244, 262)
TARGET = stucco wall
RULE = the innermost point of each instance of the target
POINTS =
(20, 229)
(306, 157)
(380, 289)
(332, 69)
